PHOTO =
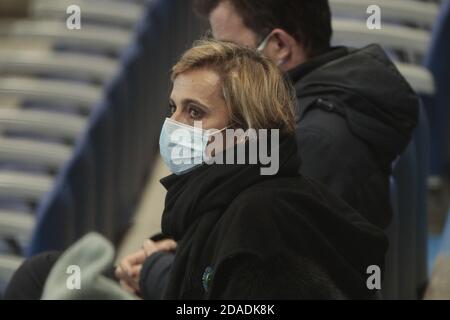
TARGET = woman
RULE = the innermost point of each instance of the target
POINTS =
(237, 233)
(241, 234)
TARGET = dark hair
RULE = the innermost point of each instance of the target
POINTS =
(308, 21)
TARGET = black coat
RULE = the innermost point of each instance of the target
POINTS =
(356, 114)
(242, 235)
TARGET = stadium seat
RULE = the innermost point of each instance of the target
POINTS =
(8, 264)
(26, 151)
(16, 224)
(83, 96)
(390, 285)
(73, 203)
(418, 77)
(101, 11)
(63, 65)
(89, 37)
(103, 181)
(51, 124)
(422, 138)
(406, 175)
(438, 106)
(398, 11)
(356, 33)
(51, 79)
(30, 187)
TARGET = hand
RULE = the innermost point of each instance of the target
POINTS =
(150, 247)
(129, 269)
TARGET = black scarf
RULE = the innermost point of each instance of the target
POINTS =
(206, 215)
(213, 187)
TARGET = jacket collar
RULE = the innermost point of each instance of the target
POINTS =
(304, 69)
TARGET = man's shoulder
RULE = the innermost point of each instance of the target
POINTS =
(320, 128)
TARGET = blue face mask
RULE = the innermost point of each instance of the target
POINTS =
(183, 147)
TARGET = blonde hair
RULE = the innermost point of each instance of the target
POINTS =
(255, 91)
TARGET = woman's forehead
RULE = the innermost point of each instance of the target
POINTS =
(198, 84)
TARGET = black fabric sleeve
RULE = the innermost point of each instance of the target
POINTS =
(155, 274)
(159, 237)
(275, 278)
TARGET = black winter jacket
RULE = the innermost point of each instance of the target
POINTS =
(356, 114)
(242, 235)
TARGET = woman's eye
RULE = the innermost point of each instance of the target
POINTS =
(195, 113)
(172, 109)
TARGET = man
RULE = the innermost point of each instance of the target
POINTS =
(355, 112)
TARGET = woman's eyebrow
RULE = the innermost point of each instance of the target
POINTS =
(186, 102)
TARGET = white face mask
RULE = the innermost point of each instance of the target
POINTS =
(183, 147)
(264, 43)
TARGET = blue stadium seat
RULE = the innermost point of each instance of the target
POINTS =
(438, 107)
(100, 187)
(51, 79)
(422, 138)
(406, 269)
(390, 286)
(406, 176)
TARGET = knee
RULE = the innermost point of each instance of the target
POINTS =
(29, 279)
